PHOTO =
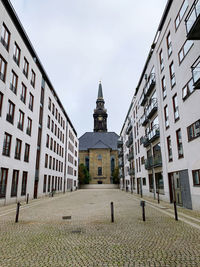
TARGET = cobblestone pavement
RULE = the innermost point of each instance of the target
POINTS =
(43, 238)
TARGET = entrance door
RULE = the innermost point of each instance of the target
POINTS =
(175, 188)
(138, 186)
(35, 188)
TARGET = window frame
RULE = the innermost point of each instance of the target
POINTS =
(5, 31)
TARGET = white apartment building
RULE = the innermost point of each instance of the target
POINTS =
(34, 131)
(166, 114)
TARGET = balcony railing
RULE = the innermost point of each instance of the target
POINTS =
(120, 154)
(151, 136)
(143, 99)
(144, 119)
(152, 108)
(153, 162)
(130, 156)
(192, 22)
(129, 128)
(150, 84)
(196, 73)
(129, 142)
(119, 143)
(131, 172)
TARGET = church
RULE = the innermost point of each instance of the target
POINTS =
(98, 149)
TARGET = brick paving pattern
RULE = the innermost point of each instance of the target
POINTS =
(43, 238)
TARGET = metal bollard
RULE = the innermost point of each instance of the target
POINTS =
(175, 211)
(142, 204)
(17, 212)
(27, 198)
(112, 212)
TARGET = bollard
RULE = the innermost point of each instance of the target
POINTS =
(175, 211)
(27, 198)
(142, 204)
(112, 212)
(17, 212)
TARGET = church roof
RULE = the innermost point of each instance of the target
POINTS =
(95, 140)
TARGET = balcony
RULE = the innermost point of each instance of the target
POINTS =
(120, 154)
(144, 120)
(129, 142)
(153, 162)
(152, 108)
(154, 133)
(146, 141)
(150, 84)
(196, 73)
(143, 99)
(130, 156)
(131, 172)
(149, 163)
(119, 143)
(129, 128)
(192, 22)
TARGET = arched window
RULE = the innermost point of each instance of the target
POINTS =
(99, 157)
(112, 164)
(87, 163)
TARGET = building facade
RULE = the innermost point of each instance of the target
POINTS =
(35, 132)
(164, 113)
(98, 149)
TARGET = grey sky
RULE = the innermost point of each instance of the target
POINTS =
(83, 41)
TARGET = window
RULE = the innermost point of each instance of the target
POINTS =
(47, 141)
(166, 114)
(151, 183)
(169, 44)
(18, 149)
(1, 102)
(51, 144)
(169, 146)
(20, 124)
(45, 184)
(187, 90)
(50, 162)
(7, 144)
(172, 74)
(46, 161)
(193, 130)
(179, 143)
(33, 78)
(23, 94)
(164, 90)
(48, 122)
(42, 96)
(25, 67)
(54, 163)
(31, 101)
(54, 147)
(26, 152)
(16, 54)
(49, 105)
(144, 181)
(13, 82)
(184, 50)
(52, 183)
(196, 177)
(3, 67)
(99, 171)
(161, 60)
(49, 183)
(53, 109)
(55, 130)
(181, 13)
(14, 183)
(87, 163)
(3, 182)
(5, 37)
(29, 126)
(175, 107)
(52, 126)
(24, 183)
(11, 112)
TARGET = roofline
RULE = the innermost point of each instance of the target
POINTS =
(161, 24)
(13, 15)
(132, 101)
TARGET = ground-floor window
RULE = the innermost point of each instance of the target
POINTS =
(24, 183)
(196, 177)
(3, 182)
(45, 184)
(151, 182)
(14, 183)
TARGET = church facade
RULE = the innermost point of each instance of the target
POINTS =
(98, 149)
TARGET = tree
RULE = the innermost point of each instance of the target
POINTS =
(83, 174)
(115, 175)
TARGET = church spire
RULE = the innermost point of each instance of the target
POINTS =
(100, 113)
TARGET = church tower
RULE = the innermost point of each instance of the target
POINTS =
(100, 113)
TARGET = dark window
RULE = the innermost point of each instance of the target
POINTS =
(172, 74)
(175, 107)
(50, 162)
(45, 184)
(26, 152)
(33, 78)
(47, 141)
(29, 127)
(20, 124)
(13, 82)
(196, 177)
(49, 105)
(3, 67)
(188, 89)
(23, 94)
(193, 130)
(14, 183)
(53, 109)
(18, 149)
(184, 50)
(112, 165)
(42, 96)
(1, 102)
(179, 143)
(3, 182)
(151, 187)
(144, 181)
(24, 183)
(161, 60)
(166, 114)
(181, 13)
(164, 90)
(169, 44)
(52, 183)
(7, 144)
(169, 146)
(31, 101)
(48, 122)
(46, 161)
(16, 54)
(5, 37)
(99, 171)
(11, 112)
(25, 67)
(49, 183)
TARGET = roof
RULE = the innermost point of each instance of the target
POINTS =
(98, 140)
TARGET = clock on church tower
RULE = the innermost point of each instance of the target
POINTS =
(100, 113)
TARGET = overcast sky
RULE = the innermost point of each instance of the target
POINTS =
(80, 42)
